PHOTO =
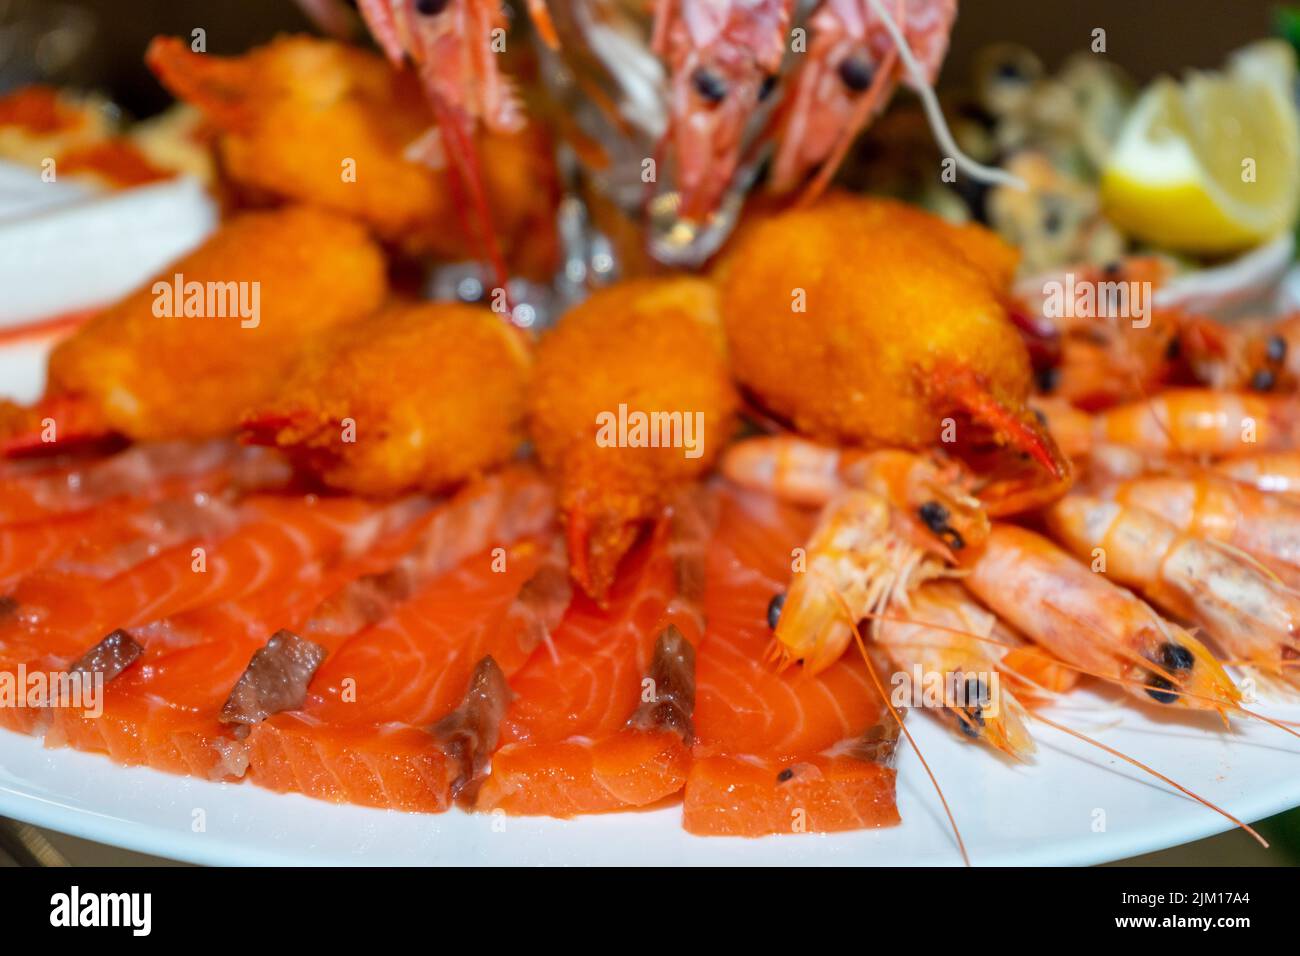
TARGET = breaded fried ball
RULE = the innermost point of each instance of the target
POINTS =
(148, 374)
(419, 397)
(320, 122)
(652, 346)
(855, 318)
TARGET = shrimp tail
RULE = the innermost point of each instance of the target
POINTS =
(597, 544)
(57, 423)
(278, 428)
(219, 86)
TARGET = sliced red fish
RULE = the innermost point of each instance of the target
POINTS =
(596, 726)
(777, 752)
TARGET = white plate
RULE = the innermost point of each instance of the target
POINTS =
(1047, 813)
(1074, 805)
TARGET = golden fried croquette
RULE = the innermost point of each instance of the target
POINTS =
(864, 321)
(321, 122)
(636, 348)
(281, 278)
(418, 397)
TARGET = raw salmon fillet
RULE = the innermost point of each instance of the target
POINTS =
(777, 753)
(364, 734)
(162, 711)
(567, 745)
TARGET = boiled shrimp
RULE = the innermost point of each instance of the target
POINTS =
(1095, 625)
(1277, 472)
(1261, 355)
(937, 492)
(1202, 422)
(941, 634)
(862, 559)
(1263, 524)
(1252, 615)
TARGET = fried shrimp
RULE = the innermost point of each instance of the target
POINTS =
(321, 122)
(419, 397)
(186, 354)
(631, 398)
(864, 322)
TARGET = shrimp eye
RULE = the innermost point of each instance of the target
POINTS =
(1263, 380)
(1276, 348)
(1176, 657)
(855, 73)
(936, 518)
(784, 775)
(767, 86)
(976, 699)
(709, 85)
(431, 8)
(1158, 689)
(774, 607)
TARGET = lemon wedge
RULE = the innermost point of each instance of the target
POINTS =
(1211, 165)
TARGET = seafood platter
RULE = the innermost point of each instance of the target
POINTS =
(690, 432)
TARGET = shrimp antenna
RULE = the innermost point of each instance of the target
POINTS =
(1155, 773)
(934, 113)
(880, 689)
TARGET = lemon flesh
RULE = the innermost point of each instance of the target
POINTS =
(1210, 166)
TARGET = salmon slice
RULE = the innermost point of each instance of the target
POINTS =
(582, 735)
(361, 738)
(777, 752)
(62, 613)
(363, 735)
(113, 537)
(144, 471)
(163, 711)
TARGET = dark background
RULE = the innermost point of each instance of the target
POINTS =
(1144, 36)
